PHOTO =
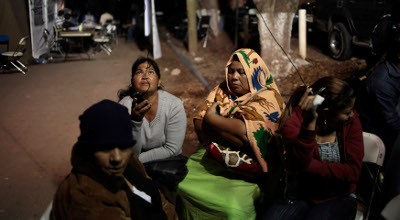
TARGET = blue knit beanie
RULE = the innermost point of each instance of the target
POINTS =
(106, 123)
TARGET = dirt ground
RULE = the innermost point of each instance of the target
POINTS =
(39, 111)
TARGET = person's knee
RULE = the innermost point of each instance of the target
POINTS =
(289, 210)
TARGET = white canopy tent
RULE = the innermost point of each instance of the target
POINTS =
(42, 14)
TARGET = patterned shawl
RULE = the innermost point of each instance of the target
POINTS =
(259, 109)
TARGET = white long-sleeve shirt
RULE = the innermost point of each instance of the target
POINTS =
(163, 137)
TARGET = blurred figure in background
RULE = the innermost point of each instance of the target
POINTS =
(89, 18)
(130, 24)
(380, 101)
(67, 23)
(380, 107)
(60, 19)
(106, 17)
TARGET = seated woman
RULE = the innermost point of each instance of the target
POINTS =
(325, 148)
(158, 122)
(237, 121)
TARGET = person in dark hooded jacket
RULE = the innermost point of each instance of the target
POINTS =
(107, 180)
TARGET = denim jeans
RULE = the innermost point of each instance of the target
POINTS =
(341, 208)
(130, 34)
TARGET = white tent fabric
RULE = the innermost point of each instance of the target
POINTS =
(42, 16)
(156, 39)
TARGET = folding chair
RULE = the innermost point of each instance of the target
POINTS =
(101, 43)
(14, 56)
(112, 32)
(4, 40)
(374, 154)
(46, 214)
(54, 43)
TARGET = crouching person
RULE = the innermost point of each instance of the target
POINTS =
(107, 180)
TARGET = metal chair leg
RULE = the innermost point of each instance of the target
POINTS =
(22, 64)
(369, 205)
(17, 67)
(105, 49)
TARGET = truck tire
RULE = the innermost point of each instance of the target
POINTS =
(339, 42)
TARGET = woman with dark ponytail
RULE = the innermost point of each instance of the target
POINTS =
(325, 151)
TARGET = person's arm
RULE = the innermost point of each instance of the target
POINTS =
(387, 97)
(137, 120)
(299, 130)
(94, 209)
(349, 169)
(216, 128)
(201, 135)
(174, 136)
(299, 140)
(80, 197)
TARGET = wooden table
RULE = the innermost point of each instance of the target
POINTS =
(69, 34)
(77, 39)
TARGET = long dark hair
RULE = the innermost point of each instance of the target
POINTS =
(338, 95)
(130, 90)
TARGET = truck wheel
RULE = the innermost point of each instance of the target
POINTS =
(339, 42)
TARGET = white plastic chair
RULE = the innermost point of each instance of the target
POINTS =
(391, 210)
(374, 152)
(112, 33)
(46, 214)
(374, 149)
(101, 42)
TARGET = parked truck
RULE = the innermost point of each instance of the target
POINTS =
(348, 23)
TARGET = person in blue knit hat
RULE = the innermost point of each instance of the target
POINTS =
(107, 180)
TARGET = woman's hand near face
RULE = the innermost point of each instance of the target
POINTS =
(309, 114)
(139, 110)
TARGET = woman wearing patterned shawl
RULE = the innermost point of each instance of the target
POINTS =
(248, 104)
(239, 117)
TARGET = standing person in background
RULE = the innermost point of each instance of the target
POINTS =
(89, 18)
(130, 22)
(67, 23)
(380, 108)
(107, 180)
(105, 17)
(130, 27)
(75, 17)
(159, 125)
(325, 150)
